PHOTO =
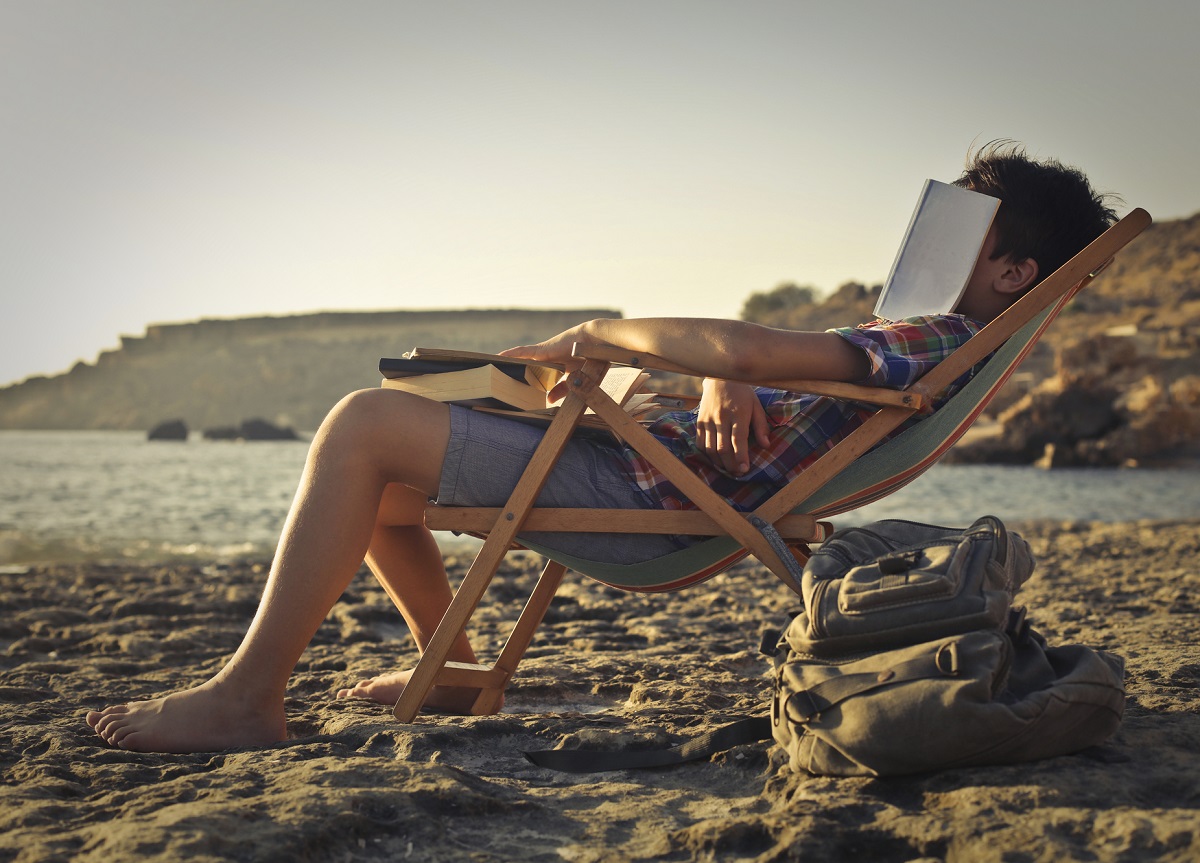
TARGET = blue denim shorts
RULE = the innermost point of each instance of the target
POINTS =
(487, 454)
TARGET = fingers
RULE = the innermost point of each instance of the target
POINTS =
(735, 456)
(524, 352)
(760, 425)
(545, 353)
(726, 444)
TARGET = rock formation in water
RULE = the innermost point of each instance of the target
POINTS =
(251, 430)
(176, 430)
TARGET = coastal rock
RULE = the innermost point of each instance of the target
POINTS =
(221, 433)
(169, 430)
(1125, 397)
(1094, 425)
(252, 429)
(258, 429)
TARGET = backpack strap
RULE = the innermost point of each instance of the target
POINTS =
(748, 730)
(794, 570)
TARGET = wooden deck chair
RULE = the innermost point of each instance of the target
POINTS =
(854, 472)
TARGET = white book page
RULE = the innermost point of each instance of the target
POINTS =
(938, 253)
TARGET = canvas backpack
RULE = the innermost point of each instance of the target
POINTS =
(908, 656)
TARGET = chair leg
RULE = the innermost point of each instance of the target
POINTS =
(462, 606)
(489, 699)
(479, 576)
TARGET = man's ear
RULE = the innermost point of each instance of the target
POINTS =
(1017, 276)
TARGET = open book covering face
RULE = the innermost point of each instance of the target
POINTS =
(938, 253)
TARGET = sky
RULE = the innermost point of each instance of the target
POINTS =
(165, 161)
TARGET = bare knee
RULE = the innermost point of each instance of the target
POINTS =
(401, 435)
(365, 407)
(374, 414)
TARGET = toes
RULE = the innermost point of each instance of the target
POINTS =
(358, 690)
(96, 717)
(112, 732)
(128, 741)
(111, 723)
(106, 722)
(116, 734)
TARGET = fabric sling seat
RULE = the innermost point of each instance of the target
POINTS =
(856, 471)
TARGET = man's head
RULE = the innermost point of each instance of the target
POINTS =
(1048, 211)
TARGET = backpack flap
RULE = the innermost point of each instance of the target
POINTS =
(897, 582)
(951, 702)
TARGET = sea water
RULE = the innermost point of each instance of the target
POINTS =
(102, 495)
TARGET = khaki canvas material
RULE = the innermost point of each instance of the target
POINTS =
(909, 657)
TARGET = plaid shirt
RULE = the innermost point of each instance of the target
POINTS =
(803, 426)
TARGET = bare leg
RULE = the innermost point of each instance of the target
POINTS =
(371, 438)
(408, 563)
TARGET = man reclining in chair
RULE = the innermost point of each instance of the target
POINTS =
(381, 454)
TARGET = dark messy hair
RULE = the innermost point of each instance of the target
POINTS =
(1048, 210)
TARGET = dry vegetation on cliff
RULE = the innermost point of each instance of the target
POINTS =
(286, 370)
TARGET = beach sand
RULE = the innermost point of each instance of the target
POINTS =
(354, 784)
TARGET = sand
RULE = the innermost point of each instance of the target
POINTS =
(353, 784)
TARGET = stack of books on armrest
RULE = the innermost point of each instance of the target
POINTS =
(504, 385)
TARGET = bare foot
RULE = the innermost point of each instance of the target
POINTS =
(386, 689)
(204, 719)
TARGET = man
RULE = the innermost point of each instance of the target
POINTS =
(381, 454)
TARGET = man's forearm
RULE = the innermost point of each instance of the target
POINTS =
(734, 349)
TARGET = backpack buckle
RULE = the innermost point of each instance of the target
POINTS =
(946, 659)
(801, 707)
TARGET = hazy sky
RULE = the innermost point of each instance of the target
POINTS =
(167, 161)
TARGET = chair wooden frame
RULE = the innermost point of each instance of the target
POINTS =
(715, 517)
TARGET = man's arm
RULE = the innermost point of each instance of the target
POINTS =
(715, 348)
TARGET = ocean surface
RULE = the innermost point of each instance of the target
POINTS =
(70, 496)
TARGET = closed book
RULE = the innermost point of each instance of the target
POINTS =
(483, 386)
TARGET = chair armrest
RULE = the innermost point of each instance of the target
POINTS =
(835, 389)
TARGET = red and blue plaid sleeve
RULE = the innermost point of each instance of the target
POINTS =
(901, 352)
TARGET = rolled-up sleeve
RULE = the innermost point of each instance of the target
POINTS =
(901, 352)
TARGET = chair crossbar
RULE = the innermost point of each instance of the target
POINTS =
(800, 527)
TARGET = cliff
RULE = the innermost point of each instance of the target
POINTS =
(289, 370)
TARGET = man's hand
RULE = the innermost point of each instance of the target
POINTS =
(728, 414)
(556, 349)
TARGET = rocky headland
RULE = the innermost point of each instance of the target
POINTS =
(289, 370)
